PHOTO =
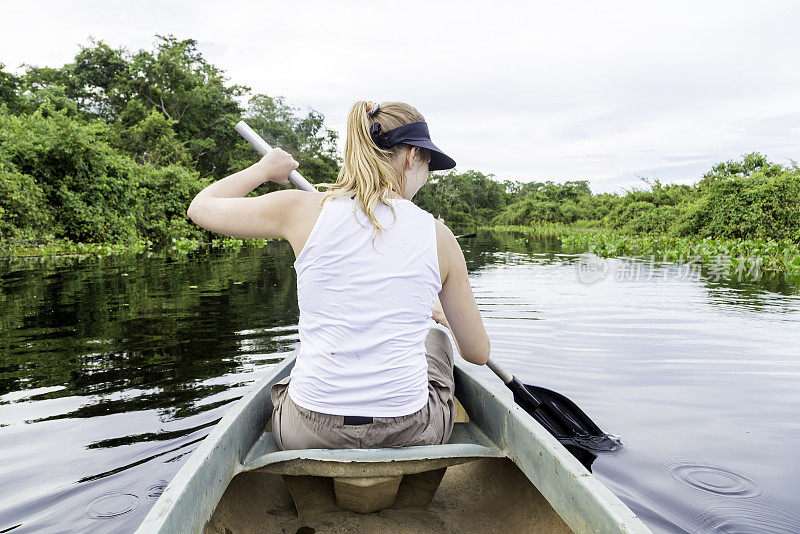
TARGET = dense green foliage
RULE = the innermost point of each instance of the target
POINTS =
(751, 198)
(463, 200)
(112, 147)
(100, 194)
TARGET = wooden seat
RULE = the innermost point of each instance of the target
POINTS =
(466, 443)
(366, 480)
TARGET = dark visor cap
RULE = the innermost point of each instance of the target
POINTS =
(416, 134)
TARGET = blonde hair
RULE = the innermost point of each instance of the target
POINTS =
(368, 172)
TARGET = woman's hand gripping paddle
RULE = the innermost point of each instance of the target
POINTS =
(262, 148)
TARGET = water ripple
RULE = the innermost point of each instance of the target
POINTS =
(155, 491)
(111, 505)
(713, 479)
(738, 518)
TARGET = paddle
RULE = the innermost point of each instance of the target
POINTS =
(559, 415)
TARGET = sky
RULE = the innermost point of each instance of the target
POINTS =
(609, 92)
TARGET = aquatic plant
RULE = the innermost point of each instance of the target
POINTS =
(772, 255)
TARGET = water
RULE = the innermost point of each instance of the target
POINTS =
(113, 370)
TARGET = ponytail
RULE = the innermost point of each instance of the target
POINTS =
(368, 172)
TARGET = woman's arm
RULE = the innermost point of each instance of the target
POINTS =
(223, 208)
(439, 317)
(458, 303)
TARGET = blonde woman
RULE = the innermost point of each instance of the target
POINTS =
(371, 371)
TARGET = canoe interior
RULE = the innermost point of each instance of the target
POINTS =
(485, 495)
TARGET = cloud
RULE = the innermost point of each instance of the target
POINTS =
(523, 90)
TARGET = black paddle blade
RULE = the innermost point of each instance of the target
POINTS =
(562, 418)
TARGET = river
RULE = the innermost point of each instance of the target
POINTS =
(113, 369)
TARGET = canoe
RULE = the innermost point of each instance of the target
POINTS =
(500, 472)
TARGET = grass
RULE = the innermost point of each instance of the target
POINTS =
(542, 228)
(771, 255)
(63, 248)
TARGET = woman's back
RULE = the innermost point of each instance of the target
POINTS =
(365, 307)
(368, 358)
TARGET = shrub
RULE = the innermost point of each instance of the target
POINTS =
(759, 205)
(23, 210)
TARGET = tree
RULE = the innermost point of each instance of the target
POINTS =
(121, 89)
(306, 138)
(464, 200)
(9, 89)
(749, 164)
(114, 145)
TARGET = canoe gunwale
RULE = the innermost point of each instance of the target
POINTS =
(188, 501)
(582, 501)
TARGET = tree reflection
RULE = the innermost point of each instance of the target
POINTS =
(159, 325)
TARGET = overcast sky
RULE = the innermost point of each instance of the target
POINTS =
(602, 91)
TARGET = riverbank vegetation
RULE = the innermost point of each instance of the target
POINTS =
(111, 148)
(739, 209)
(750, 198)
(104, 154)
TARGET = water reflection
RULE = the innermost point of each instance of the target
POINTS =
(92, 331)
(124, 364)
(113, 370)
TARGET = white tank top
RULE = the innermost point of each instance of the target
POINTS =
(364, 311)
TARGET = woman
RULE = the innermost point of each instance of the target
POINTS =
(370, 372)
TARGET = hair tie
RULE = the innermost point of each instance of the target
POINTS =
(372, 108)
(379, 139)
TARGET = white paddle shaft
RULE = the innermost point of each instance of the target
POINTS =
(262, 148)
(501, 373)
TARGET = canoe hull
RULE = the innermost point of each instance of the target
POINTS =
(487, 495)
(189, 499)
(237, 479)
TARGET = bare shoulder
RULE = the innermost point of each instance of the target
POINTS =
(301, 208)
(292, 204)
(444, 236)
(448, 249)
(297, 197)
(309, 198)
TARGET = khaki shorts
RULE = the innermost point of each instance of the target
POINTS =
(295, 427)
